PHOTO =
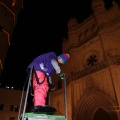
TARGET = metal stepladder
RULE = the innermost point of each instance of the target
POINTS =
(25, 116)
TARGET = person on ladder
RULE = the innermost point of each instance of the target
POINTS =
(44, 66)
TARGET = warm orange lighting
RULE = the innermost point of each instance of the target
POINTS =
(7, 35)
(13, 2)
(8, 10)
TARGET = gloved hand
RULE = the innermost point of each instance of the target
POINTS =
(61, 75)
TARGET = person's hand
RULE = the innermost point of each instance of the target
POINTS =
(61, 75)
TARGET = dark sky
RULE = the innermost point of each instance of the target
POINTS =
(41, 27)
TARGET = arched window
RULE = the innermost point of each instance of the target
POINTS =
(101, 114)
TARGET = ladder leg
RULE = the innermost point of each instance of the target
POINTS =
(65, 98)
(28, 86)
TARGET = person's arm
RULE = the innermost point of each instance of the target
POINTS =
(50, 79)
(56, 66)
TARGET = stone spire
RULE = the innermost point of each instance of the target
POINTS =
(98, 6)
(72, 24)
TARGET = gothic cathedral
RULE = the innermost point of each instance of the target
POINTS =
(92, 73)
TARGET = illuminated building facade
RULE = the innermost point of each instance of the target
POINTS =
(9, 10)
(92, 73)
(9, 99)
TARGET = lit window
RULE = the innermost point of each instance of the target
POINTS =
(7, 87)
(12, 87)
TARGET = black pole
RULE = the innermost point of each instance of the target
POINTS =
(65, 98)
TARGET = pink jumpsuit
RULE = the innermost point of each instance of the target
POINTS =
(40, 90)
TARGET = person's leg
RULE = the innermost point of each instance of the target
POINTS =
(40, 95)
(40, 90)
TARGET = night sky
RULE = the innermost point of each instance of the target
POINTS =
(41, 27)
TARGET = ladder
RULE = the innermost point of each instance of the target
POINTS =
(33, 116)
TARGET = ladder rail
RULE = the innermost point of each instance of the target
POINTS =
(21, 103)
(28, 86)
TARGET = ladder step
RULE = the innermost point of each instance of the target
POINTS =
(33, 116)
